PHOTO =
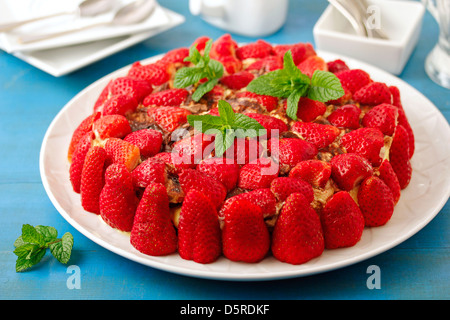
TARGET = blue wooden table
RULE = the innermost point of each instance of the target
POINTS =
(29, 100)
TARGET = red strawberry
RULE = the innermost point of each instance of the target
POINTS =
(200, 42)
(268, 102)
(120, 151)
(79, 155)
(191, 150)
(344, 99)
(168, 97)
(155, 74)
(217, 93)
(336, 66)
(283, 187)
(366, 142)
(396, 99)
(104, 95)
(191, 179)
(372, 94)
(237, 80)
(375, 201)
(346, 116)
(176, 56)
(267, 64)
(199, 236)
(322, 135)
(269, 123)
(308, 110)
(84, 127)
(118, 202)
(138, 89)
(263, 198)
(111, 126)
(223, 46)
(349, 169)
(92, 179)
(403, 121)
(119, 104)
(169, 118)
(383, 117)
(221, 170)
(299, 51)
(258, 174)
(231, 64)
(311, 64)
(342, 221)
(148, 141)
(173, 166)
(354, 79)
(387, 174)
(297, 236)
(153, 232)
(291, 151)
(244, 150)
(399, 156)
(257, 50)
(245, 236)
(152, 170)
(315, 172)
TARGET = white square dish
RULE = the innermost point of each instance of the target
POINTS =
(333, 33)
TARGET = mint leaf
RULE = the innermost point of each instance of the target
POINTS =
(325, 86)
(49, 233)
(226, 112)
(276, 83)
(244, 122)
(292, 102)
(188, 76)
(31, 235)
(28, 256)
(62, 250)
(203, 123)
(204, 88)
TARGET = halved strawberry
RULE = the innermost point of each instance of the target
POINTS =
(387, 174)
(346, 116)
(245, 236)
(291, 151)
(111, 126)
(267, 64)
(152, 170)
(342, 221)
(154, 73)
(259, 49)
(311, 64)
(92, 180)
(308, 110)
(383, 117)
(399, 156)
(337, 65)
(119, 104)
(297, 236)
(200, 43)
(169, 118)
(84, 127)
(372, 94)
(148, 141)
(138, 89)
(375, 201)
(222, 170)
(299, 51)
(191, 179)
(315, 172)
(168, 97)
(79, 155)
(258, 174)
(118, 202)
(322, 135)
(152, 232)
(237, 80)
(199, 236)
(120, 151)
(366, 142)
(231, 64)
(223, 46)
(349, 169)
(283, 187)
(403, 121)
(354, 79)
(268, 102)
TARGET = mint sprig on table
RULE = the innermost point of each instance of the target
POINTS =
(227, 126)
(32, 245)
(204, 67)
(292, 84)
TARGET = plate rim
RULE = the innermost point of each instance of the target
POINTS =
(208, 274)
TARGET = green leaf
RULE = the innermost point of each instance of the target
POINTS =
(244, 122)
(205, 122)
(49, 233)
(325, 86)
(275, 83)
(62, 250)
(32, 258)
(292, 102)
(188, 76)
(226, 112)
(204, 88)
(215, 69)
(31, 235)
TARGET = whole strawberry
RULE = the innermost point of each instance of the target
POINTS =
(346, 116)
(78, 157)
(322, 135)
(111, 126)
(84, 127)
(291, 151)
(152, 170)
(366, 142)
(167, 98)
(263, 198)
(399, 156)
(372, 94)
(308, 110)
(311, 64)
(199, 235)
(123, 152)
(148, 141)
(348, 170)
(375, 201)
(315, 172)
(138, 89)
(238, 80)
(155, 74)
(92, 179)
(258, 174)
(218, 168)
(168, 118)
(354, 79)
(271, 124)
(283, 187)
(387, 174)
(153, 232)
(118, 201)
(245, 236)
(119, 104)
(383, 117)
(259, 49)
(342, 221)
(297, 236)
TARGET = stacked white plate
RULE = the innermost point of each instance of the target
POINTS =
(63, 54)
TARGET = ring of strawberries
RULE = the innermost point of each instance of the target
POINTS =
(340, 166)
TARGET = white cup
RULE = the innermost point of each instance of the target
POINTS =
(253, 18)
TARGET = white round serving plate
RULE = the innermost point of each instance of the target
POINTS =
(420, 202)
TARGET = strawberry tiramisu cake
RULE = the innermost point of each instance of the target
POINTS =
(243, 151)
